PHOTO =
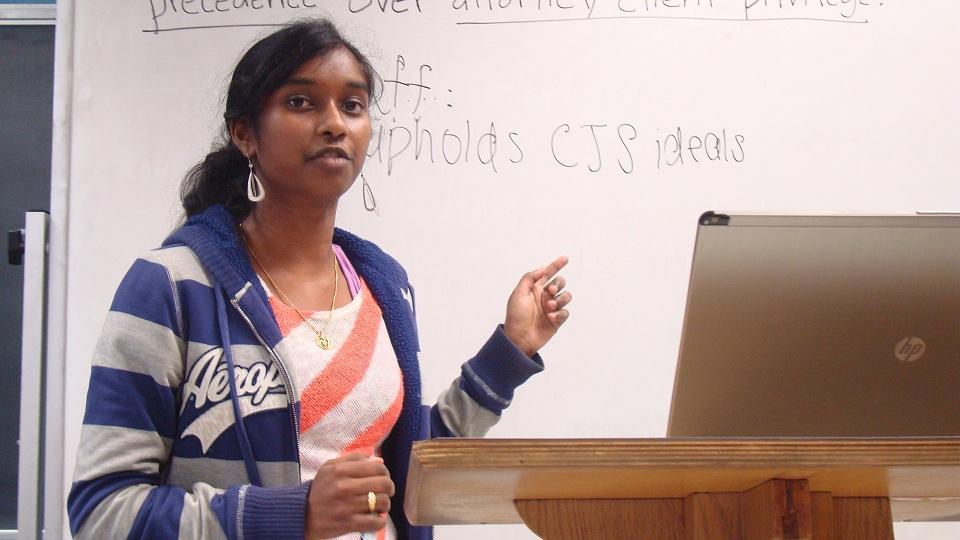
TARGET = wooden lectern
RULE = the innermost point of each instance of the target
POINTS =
(716, 489)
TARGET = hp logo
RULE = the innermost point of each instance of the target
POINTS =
(910, 349)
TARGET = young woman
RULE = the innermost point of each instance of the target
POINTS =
(257, 375)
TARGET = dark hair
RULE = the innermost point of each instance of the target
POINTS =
(221, 177)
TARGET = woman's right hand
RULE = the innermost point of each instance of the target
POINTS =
(337, 503)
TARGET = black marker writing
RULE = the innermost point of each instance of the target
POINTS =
(553, 145)
(712, 146)
(396, 6)
(626, 147)
(416, 141)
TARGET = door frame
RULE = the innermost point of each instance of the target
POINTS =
(55, 483)
(61, 15)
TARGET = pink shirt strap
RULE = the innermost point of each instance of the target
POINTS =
(353, 280)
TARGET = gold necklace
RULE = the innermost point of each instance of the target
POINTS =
(322, 340)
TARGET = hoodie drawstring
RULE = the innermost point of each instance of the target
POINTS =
(245, 449)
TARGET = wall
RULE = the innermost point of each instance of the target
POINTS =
(513, 131)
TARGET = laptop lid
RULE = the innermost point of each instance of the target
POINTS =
(823, 326)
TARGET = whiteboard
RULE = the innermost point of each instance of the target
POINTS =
(512, 131)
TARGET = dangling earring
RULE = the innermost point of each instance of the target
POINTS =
(369, 201)
(254, 188)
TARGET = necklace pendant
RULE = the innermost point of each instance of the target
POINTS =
(323, 341)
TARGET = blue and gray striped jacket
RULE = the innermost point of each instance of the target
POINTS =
(190, 345)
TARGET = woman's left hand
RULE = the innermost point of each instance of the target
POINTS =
(535, 309)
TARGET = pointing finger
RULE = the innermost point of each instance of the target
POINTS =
(551, 269)
(530, 278)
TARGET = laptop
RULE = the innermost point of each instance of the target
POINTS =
(821, 326)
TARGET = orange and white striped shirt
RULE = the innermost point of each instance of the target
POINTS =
(349, 395)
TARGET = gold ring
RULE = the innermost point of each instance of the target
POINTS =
(372, 501)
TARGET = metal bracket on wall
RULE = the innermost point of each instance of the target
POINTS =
(23, 14)
(15, 247)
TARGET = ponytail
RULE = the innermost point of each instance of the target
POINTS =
(219, 179)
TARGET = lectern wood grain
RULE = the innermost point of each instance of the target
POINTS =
(821, 505)
(477, 480)
(711, 515)
(858, 517)
(776, 509)
(598, 519)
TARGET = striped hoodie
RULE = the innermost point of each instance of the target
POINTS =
(189, 346)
